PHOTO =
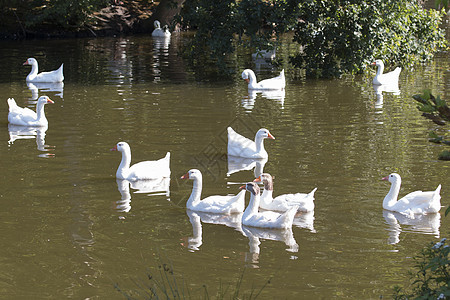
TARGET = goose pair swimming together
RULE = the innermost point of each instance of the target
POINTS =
(252, 216)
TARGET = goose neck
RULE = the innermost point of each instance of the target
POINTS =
(124, 166)
(380, 70)
(392, 196)
(33, 72)
(196, 192)
(40, 111)
(253, 206)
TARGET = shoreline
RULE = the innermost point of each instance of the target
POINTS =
(124, 19)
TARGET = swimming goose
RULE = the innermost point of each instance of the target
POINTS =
(212, 204)
(25, 116)
(276, 83)
(417, 202)
(390, 78)
(266, 219)
(160, 32)
(241, 146)
(51, 76)
(305, 202)
(142, 170)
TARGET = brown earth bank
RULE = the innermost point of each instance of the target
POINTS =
(119, 18)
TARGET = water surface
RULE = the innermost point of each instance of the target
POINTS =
(69, 229)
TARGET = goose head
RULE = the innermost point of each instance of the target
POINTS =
(378, 63)
(266, 179)
(156, 24)
(393, 178)
(30, 61)
(121, 147)
(252, 187)
(264, 134)
(44, 100)
(192, 174)
(247, 74)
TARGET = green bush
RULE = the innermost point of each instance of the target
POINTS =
(335, 37)
(346, 36)
(432, 278)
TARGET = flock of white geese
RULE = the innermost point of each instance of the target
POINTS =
(264, 209)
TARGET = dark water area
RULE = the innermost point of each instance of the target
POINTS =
(70, 230)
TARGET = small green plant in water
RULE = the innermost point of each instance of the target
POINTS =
(164, 285)
(432, 278)
(437, 110)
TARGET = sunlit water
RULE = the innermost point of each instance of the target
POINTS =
(69, 229)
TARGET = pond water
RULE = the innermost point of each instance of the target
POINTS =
(68, 229)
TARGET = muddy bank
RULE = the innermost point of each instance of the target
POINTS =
(125, 17)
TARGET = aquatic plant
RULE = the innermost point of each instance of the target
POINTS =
(437, 110)
(163, 283)
(432, 277)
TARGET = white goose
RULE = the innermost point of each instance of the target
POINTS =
(160, 32)
(25, 116)
(390, 78)
(212, 204)
(305, 202)
(241, 146)
(276, 83)
(266, 219)
(417, 202)
(143, 170)
(51, 76)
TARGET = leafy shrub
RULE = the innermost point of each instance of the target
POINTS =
(335, 37)
(346, 36)
(432, 279)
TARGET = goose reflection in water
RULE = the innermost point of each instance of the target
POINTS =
(255, 234)
(17, 132)
(153, 187)
(426, 224)
(236, 164)
(35, 87)
(278, 96)
(388, 88)
(196, 218)
(305, 220)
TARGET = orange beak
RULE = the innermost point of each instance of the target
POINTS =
(50, 101)
(385, 178)
(242, 187)
(114, 148)
(25, 63)
(247, 80)
(257, 179)
(270, 136)
(185, 176)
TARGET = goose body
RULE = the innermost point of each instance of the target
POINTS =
(266, 219)
(275, 83)
(51, 76)
(143, 170)
(390, 78)
(160, 32)
(25, 116)
(241, 146)
(305, 202)
(417, 202)
(212, 204)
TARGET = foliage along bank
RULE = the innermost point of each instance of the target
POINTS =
(334, 37)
